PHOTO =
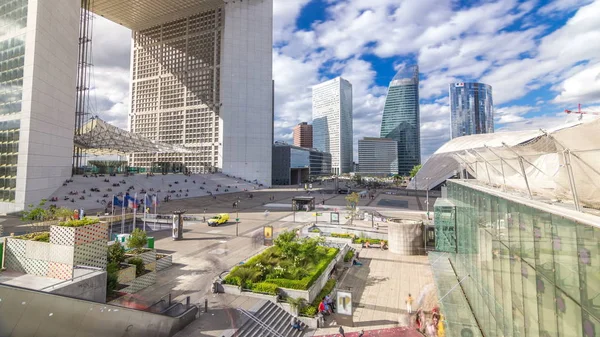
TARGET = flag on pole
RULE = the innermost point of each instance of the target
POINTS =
(117, 201)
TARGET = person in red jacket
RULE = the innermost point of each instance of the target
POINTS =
(322, 308)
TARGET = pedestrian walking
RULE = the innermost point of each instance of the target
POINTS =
(341, 331)
(409, 301)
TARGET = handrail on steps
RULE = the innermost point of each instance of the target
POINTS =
(260, 323)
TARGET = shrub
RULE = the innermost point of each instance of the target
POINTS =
(37, 236)
(372, 241)
(138, 239)
(116, 253)
(79, 223)
(265, 288)
(112, 277)
(309, 310)
(233, 280)
(139, 265)
(342, 235)
(348, 255)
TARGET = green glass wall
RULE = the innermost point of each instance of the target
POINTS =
(532, 273)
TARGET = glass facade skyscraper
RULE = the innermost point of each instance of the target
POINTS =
(471, 109)
(401, 118)
(332, 122)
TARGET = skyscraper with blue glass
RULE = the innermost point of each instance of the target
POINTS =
(471, 109)
(401, 118)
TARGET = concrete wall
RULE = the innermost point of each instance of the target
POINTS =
(246, 121)
(53, 315)
(91, 287)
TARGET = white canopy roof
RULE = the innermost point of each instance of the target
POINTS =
(98, 137)
(535, 162)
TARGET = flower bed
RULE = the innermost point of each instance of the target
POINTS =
(292, 263)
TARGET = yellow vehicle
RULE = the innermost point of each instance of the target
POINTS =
(218, 219)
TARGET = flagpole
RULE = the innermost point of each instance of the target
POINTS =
(145, 207)
(123, 215)
(155, 214)
(134, 209)
(112, 210)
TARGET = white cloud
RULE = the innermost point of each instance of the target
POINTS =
(583, 87)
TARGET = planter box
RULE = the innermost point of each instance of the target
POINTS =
(148, 257)
(140, 283)
(75, 236)
(164, 263)
(39, 258)
(127, 275)
(231, 289)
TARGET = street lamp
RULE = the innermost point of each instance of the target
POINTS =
(237, 217)
(427, 195)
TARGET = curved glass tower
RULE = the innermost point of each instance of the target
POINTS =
(401, 118)
(471, 109)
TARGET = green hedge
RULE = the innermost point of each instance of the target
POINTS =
(39, 236)
(348, 255)
(343, 235)
(312, 309)
(372, 241)
(265, 288)
(303, 284)
(79, 223)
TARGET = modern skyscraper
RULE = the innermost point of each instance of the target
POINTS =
(303, 135)
(471, 109)
(378, 156)
(401, 118)
(332, 122)
(201, 79)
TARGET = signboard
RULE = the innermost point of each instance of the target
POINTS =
(344, 303)
(175, 227)
(268, 234)
(335, 217)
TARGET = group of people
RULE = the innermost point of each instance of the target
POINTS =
(327, 305)
(432, 327)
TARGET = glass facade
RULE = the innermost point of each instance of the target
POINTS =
(471, 109)
(13, 20)
(532, 273)
(401, 118)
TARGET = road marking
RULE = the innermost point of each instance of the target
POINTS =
(214, 231)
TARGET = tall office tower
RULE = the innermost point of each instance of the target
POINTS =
(303, 135)
(378, 156)
(401, 118)
(38, 63)
(471, 109)
(332, 122)
(203, 80)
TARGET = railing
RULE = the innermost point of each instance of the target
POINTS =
(260, 323)
(72, 279)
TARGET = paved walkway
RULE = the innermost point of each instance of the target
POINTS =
(393, 332)
(379, 288)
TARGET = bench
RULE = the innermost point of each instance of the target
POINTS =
(374, 245)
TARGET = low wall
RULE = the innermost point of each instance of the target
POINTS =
(326, 230)
(406, 237)
(164, 263)
(91, 287)
(54, 313)
(140, 283)
(126, 275)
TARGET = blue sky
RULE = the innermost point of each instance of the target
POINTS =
(540, 57)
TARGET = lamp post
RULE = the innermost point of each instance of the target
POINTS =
(427, 195)
(237, 217)
(204, 217)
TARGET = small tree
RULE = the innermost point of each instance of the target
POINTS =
(35, 213)
(112, 278)
(296, 303)
(415, 170)
(351, 202)
(139, 265)
(116, 253)
(62, 213)
(137, 240)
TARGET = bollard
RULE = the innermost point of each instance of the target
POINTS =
(206, 305)
(187, 302)
(169, 299)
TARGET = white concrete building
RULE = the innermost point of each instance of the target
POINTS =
(201, 78)
(38, 63)
(378, 156)
(332, 122)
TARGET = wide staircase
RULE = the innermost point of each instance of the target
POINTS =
(266, 319)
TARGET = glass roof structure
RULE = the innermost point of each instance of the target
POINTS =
(100, 138)
(561, 165)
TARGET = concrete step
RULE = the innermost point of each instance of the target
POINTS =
(272, 316)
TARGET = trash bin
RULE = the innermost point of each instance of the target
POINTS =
(151, 242)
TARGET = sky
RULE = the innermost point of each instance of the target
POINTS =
(540, 57)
